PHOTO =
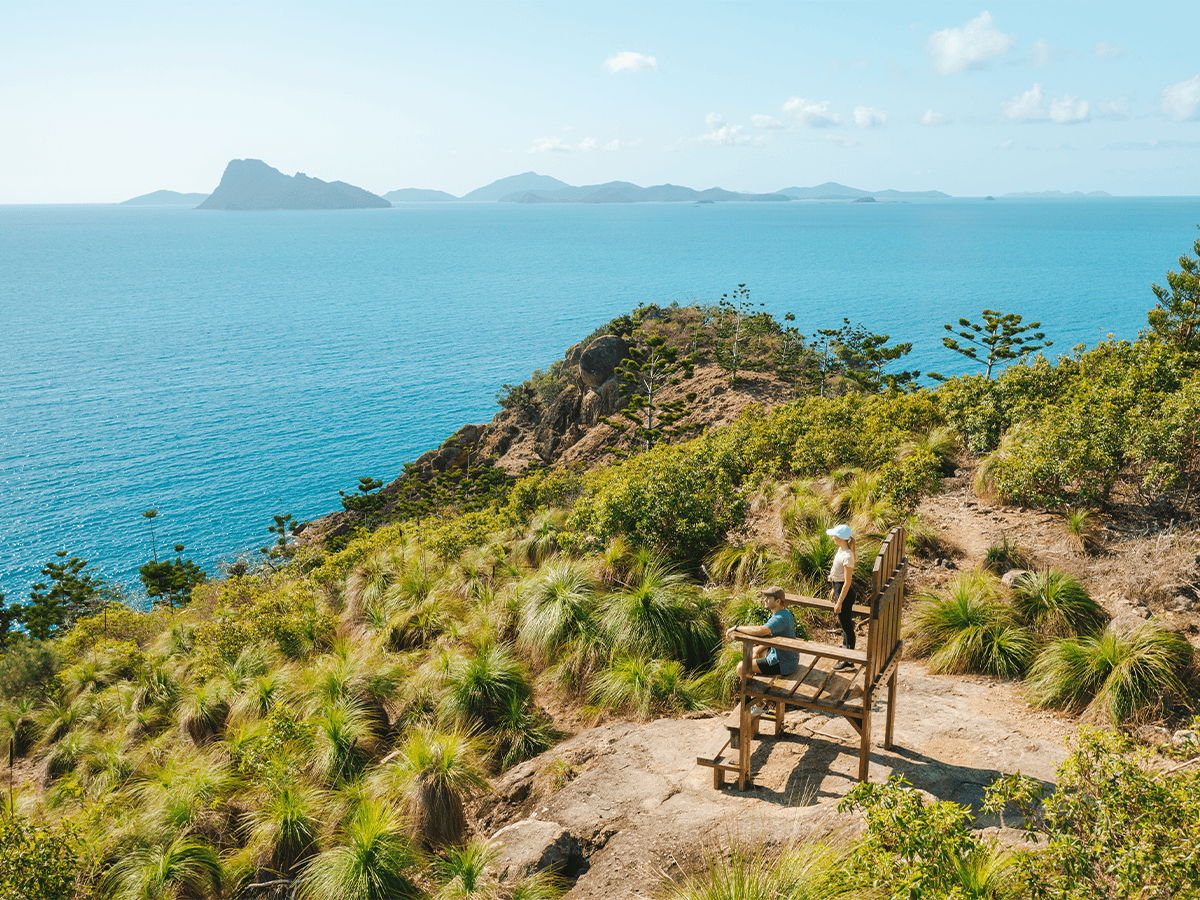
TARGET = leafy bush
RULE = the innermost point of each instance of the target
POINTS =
(37, 862)
(680, 500)
(1112, 827)
(1114, 675)
(28, 667)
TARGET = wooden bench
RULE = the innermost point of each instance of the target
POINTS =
(816, 684)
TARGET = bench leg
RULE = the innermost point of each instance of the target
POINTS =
(718, 778)
(780, 709)
(864, 746)
(891, 713)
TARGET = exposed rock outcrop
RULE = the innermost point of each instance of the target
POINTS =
(252, 184)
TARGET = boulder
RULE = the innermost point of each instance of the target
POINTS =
(599, 361)
(531, 846)
(1010, 578)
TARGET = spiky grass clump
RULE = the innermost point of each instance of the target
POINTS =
(803, 871)
(941, 442)
(741, 564)
(1118, 675)
(811, 557)
(644, 685)
(559, 604)
(284, 828)
(374, 861)
(966, 628)
(480, 688)
(1006, 556)
(435, 773)
(180, 867)
(1056, 604)
(1082, 529)
(658, 614)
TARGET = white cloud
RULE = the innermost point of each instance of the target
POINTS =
(869, 117)
(628, 61)
(720, 134)
(934, 119)
(558, 145)
(1027, 106)
(1113, 109)
(1182, 101)
(549, 145)
(1068, 109)
(841, 141)
(955, 49)
(1006, 145)
(761, 121)
(810, 113)
(1106, 51)
(617, 144)
(1040, 54)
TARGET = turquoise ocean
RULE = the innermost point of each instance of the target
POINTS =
(224, 367)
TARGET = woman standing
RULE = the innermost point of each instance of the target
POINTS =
(841, 578)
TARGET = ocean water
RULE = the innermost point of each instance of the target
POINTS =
(224, 367)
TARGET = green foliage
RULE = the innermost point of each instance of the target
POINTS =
(481, 689)
(678, 500)
(860, 356)
(73, 591)
(741, 563)
(1000, 338)
(1056, 604)
(1082, 528)
(367, 499)
(182, 867)
(1005, 556)
(1116, 675)
(116, 622)
(967, 628)
(1112, 828)
(37, 862)
(1176, 317)
(915, 849)
(800, 871)
(27, 668)
(739, 320)
(172, 581)
(375, 860)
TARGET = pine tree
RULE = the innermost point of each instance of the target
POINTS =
(71, 590)
(1001, 335)
(650, 367)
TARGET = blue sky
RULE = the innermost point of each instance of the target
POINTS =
(102, 101)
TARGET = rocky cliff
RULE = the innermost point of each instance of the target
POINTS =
(252, 184)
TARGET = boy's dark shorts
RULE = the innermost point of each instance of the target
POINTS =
(768, 668)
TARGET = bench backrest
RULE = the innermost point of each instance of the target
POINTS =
(886, 601)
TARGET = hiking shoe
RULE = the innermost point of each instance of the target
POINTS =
(758, 711)
(843, 665)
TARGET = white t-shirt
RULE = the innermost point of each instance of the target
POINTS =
(841, 560)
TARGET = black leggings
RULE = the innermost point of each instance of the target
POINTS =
(846, 616)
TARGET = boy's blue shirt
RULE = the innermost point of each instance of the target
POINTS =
(783, 624)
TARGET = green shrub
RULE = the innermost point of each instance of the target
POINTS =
(1112, 827)
(1113, 675)
(37, 862)
(28, 668)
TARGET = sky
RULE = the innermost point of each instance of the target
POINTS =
(103, 101)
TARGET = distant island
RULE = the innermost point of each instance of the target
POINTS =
(1036, 195)
(417, 195)
(165, 198)
(250, 184)
(530, 187)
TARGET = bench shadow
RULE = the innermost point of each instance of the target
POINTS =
(826, 769)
